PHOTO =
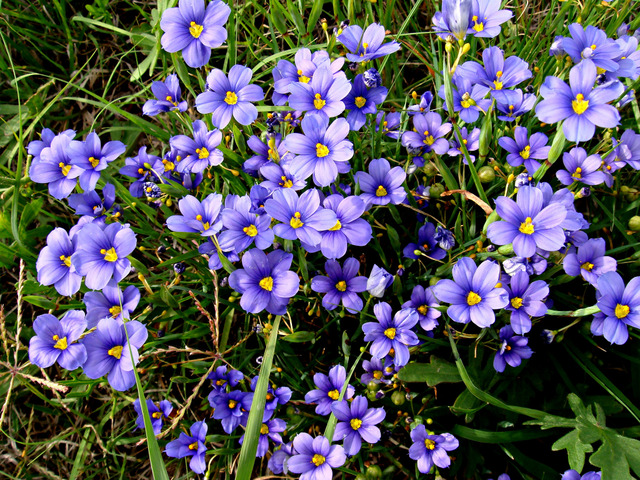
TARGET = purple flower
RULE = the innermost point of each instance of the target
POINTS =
(512, 103)
(111, 302)
(265, 153)
(194, 30)
(198, 217)
(36, 147)
(278, 176)
(90, 203)
(388, 124)
(329, 389)
(367, 45)
(230, 407)
(486, 18)
(275, 396)
(428, 134)
(497, 73)
(628, 149)
(427, 244)
(108, 352)
(424, 302)
(322, 95)
(201, 151)
(265, 282)
(361, 101)
(619, 304)
(454, 19)
(191, 445)
(270, 429)
(278, 461)
(102, 254)
(527, 224)
(471, 141)
(341, 285)
(472, 293)
(423, 106)
(244, 228)
(221, 378)
(302, 217)
(581, 168)
(230, 96)
(372, 78)
(378, 281)
(524, 149)
(591, 43)
(589, 261)
(580, 105)
(142, 168)
(573, 475)
(557, 49)
(323, 150)
(429, 450)
(167, 95)
(388, 333)
(468, 97)
(315, 457)
(54, 341)
(375, 371)
(350, 229)
(513, 349)
(357, 422)
(157, 414)
(54, 263)
(383, 184)
(56, 169)
(92, 157)
(526, 300)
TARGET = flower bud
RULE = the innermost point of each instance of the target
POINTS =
(486, 174)
(457, 14)
(634, 223)
(398, 398)
(436, 190)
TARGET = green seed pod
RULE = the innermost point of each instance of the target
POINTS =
(373, 386)
(371, 396)
(634, 223)
(433, 281)
(486, 174)
(374, 472)
(430, 170)
(436, 190)
(398, 398)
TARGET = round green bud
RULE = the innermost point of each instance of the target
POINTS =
(634, 223)
(433, 281)
(418, 419)
(430, 170)
(486, 174)
(374, 472)
(360, 476)
(398, 398)
(371, 395)
(436, 190)
(291, 410)
(429, 421)
(373, 386)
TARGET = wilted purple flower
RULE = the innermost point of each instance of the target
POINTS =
(428, 134)
(54, 340)
(198, 217)
(361, 101)
(56, 169)
(388, 333)
(445, 238)
(230, 407)
(619, 304)
(512, 350)
(429, 450)
(423, 301)
(323, 150)
(497, 73)
(329, 388)
(580, 105)
(525, 301)
(108, 352)
(372, 78)
(265, 282)
(524, 149)
(278, 461)
(367, 45)
(383, 184)
(230, 96)
(221, 378)
(92, 157)
(201, 151)
(427, 244)
(589, 261)
(54, 263)
(322, 95)
(141, 167)
(591, 43)
(194, 30)
(157, 414)
(278, 176)
(468, 98)
(102, 254)
(357, 422)
(341, 285)
(581, 168)
(512, 103)
(315, 457)
(270, 429)
(191, 445)
(472, 293)
(533, 265)
(349, 229)
(487, 18)
(111, 302)
(454, 19)
(527, 224)
(470, 140)
(378, 281)
(557, 47)
(242, 228)
(167, 95)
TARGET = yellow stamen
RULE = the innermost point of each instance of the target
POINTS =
(116, 351)
(193, 446)
(321, 150)
(61, 343)
(264, 429)
(381, 191)
(156, 414)
(231, 98)
(302, 78)
(336, 227)
(319, 102)
(295, 221)
(195, 30)
(390, 333)
(266, 283)
(66, 260)
(587, 266)
(422, 309)
(115, 311)
(580, 105)
(318, 460)
(527, 227)
(333, 394)
(377, 374)
(341, 286)
(65, 168)
(516, 302)
(526, 152)
(251, 230)
(355, 423)
(360, 102)
(232, 404)
(109, 255)
(473, 299)
(577, 173)
(286, 183)
(202, 153)
(430, 444)
(622, 311)
(94, 162)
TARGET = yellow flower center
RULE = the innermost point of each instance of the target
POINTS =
(377, 374)
(577, 173)
(61, 343)
(94, 162)
(381, 191)
(193, 446)
(195, 30)
(319, 102)
(321, 150)
(336, 227)
(302, 78)
(116, 351)
(580, 105)
(473, 299)
(231, 98)
(516, 302)
(390, 333)
(428, 139)
(526, 152)
(467, 102)
(286, 183)
(497, 84)
(115, 311)
(587, 266)
(202, 153)
(264, 429)
(232, 404)
(109, 255)
(65, 168)
(156, 414)
(527, 227)
(295, 221)
(170, 100)
(341, 286)
(422, 309)
(66, 260)
(479, 26)
(593, 47)
(318, 460)
(221, 382)
(168, 166)
(266, 283)
(360, 102)
(430, 444)
(355, 423)
(251, 230)
(333, 394)
(622, 311)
